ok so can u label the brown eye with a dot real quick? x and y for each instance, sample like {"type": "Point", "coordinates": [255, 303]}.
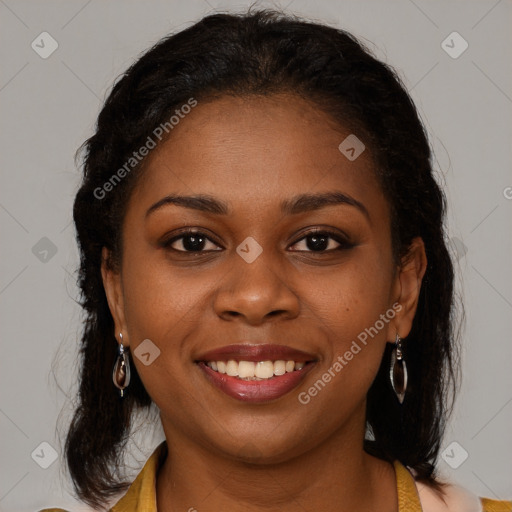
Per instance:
{"type": "Point", "coordinates": [323, 241]}
{"type": "Point", "coordinates": [190, 241]}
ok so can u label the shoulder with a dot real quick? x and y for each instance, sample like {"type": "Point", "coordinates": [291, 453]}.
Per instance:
{"type": "Point", "coordinates": [457, 499]}
{"type": "Point", "coordinates": [141, 494]}
{"type": "Point", "coordinates": [489, 505]}
{"type": "Point", "coordinates": [53, 510]}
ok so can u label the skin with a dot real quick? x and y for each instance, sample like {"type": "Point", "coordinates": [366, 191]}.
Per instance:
{"type": "Point", "coordinates": [253, 153]}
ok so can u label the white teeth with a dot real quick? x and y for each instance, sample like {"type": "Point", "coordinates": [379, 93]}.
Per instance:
{"type": "Point", "coordinates": [249, 370]}
{"type": "Point", "coordinates": [232, 368]}
{"type": "Point", "coordinates": [245, 369]}
{"type": "Point", "coordinates": [279, 367]}
{"type": "Point", "coordinates": [264, 369]}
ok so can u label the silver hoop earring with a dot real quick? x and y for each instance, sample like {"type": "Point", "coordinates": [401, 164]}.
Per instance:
{"type": "Point", "coordinates": [121, 370]}
{"type": "Point", "coordinates": [398, 370]}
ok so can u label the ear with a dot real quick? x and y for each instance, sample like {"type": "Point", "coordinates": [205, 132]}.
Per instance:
{"type": "Point", "coordinates": [407, 288]}
{"type": "Point", "coordinates": [114, 292]}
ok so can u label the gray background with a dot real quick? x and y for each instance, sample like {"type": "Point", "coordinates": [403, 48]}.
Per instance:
{"type": "Point", "coordinates": [48, 109]}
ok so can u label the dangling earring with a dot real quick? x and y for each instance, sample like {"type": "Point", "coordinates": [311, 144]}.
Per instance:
{"type": "Point", "coordinates": [121, 370]}
{"type": "Point", "coordinates": [398, 370]}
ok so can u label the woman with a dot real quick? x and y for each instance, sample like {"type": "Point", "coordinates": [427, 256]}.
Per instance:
{"type": "Point", "coordinates": [263, 258]}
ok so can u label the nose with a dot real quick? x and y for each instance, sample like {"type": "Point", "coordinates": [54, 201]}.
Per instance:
{"type": "Point", "coordinates": [255, 292]}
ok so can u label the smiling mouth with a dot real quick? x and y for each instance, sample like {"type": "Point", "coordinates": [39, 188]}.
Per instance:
{"type": "Point", "coordinates": [261, 370]}
{"type": "Point", "coordinates": [255, 381]}
{"type": "Point", "coordinates": [256, 373]}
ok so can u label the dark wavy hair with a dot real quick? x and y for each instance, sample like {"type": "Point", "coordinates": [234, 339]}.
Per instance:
{"type": "Point", "coordinates": [265, 52]}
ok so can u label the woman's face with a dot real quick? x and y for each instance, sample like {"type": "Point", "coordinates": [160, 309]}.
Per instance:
{"type": "Point", "coordinates": [256, 275]}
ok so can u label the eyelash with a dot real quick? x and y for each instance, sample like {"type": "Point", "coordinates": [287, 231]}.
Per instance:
{"type": "Point", "coordinates": [343, 243]}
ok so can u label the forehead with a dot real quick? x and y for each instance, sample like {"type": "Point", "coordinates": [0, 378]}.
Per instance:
{"type": "Point", "coordinates": [256, 151]}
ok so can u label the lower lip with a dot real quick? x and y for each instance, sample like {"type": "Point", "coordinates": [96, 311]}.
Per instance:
{"type": "Point", "coordinates": [256, 390]}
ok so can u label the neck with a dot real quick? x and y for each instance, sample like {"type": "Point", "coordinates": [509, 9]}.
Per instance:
{"type": "Point", "coordinates": [334, 476]}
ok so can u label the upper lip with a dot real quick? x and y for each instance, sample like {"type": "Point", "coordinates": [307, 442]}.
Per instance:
{"type": "Point", "coordinates": [255, 353]}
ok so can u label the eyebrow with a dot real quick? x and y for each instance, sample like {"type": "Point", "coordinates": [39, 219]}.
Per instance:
{"type": "Point", "coordinates": [295, 205]}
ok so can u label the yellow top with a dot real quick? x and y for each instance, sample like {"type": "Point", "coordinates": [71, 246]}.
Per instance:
{"type": "Point", "coordinates": [141, 495]}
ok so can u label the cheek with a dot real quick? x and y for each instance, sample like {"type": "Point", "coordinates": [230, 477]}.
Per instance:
{"type": "Point", "coordinates": [351, 297]}
{"type": "Point", "coordinates": [161, 303]}
{"type": "Point", "coordinates": [165, 308]}
{"type": "Point", "coordinates": [354, 319]}
{"type": "Point", "coordinates": [353, 310]}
